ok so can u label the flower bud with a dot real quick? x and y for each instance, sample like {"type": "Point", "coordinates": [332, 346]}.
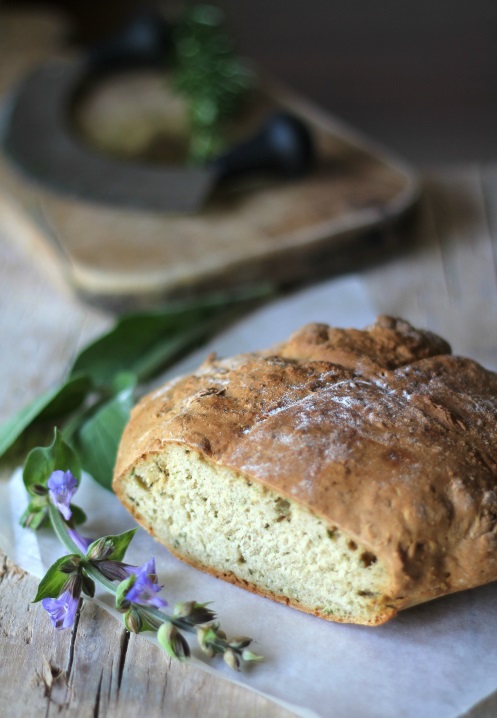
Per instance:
{"type": "Point", "coordinates": [202, 635]}
{"type": "Point", "coordinates": [184, 609]}
{"type": "Point", "coordinates": [240, 642]}
{"type": "Point", "coordinates": [71, 564]}
{"type": "Point", "coordinates": [207, 636]}
{"type": "Point", "coordinates": [231, 659]}
{"type": "Point", "coordinates": [194, 613]}
{"type": "Point", "coordinates": [172, 641]}
{"type": "Point", "coordinates": [122, 603]}
{"type": "Point", "coordinates": [133, 621]}
{"type": "Point", "coordinates": [39, 490]}
{"type": "Point", "coordinates": [100, 549]}
{"type": "Point", "coordinates": [114, 570]}
{"type": "Point", "coordinates": [250, 657]}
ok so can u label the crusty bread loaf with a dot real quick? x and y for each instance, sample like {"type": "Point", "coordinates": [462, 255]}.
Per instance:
{"type": "Point", "coordinates": [347, 473]}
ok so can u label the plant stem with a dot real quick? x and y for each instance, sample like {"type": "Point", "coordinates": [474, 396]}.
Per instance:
{"type": "Point", "coordinates": [154, 617]}
{"type": "Point", "coordinates": [154, 614]}
{"type": "Point", "coordinates": [60, 528]}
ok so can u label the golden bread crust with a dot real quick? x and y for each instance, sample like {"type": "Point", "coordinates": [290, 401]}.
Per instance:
{"type": "Point", "coordinates": [382, 432]}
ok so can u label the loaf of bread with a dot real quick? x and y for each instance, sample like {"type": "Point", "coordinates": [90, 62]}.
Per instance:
{"type": "Point", "coordinates": [346, 473]}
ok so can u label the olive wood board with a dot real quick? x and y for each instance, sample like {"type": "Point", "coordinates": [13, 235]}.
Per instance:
{"type": "Point", "coordinates": [251, 230]}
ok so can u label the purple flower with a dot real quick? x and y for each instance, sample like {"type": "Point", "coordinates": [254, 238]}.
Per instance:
{"type": "Point", "coordinates": [62, 610]}
{"type": "Point", "coordinates": [62, 487]}
{"type": "Point", "coordinates": [145, 586]}
{"type": "Point", "coordinates": [81, 542]}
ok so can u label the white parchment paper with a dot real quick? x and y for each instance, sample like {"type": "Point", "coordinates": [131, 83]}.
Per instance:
{"type": "Point", "coordinates": [435, 661]}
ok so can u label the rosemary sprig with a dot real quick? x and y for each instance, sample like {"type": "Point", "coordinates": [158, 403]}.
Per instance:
{"type": "Point", "coordinates": [214, 81]}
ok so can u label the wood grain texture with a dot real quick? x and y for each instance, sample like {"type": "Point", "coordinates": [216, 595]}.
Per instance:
{"type": "Point", "coordinates": [97, 669]}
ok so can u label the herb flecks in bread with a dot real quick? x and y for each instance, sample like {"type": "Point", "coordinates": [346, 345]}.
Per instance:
{"type": "Point", "coordinates": [347, 473]}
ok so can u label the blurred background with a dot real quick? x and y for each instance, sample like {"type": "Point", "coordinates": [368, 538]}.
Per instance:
{"type": "Point", "coordinates": [419, 77]}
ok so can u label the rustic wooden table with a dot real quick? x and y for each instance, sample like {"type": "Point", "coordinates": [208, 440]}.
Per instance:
{"type": "Point", "coordinates": [445, 278]}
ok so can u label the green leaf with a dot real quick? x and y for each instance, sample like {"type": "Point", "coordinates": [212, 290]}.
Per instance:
{"type": "Point", "coordinates": [120, 543]}
{"type": "Point", "coordinates": [53, 582]}
{"type": "Point", "coordinates": [34, 515]}
{"type": "Point", "coordinates": [143, 342]}
{"type": "Point", "coordinates": [126, 345]}
{"type": "Point", "coordinates": [53, 404]}
{"type": "Point", "coordinates": [42, 461]}
{"type": "Point", "coordinates": [123, 380]}
{"type": "Point", "coordinates": [78, 516]}
{"type": "Point", "coordinates": [98, 439]}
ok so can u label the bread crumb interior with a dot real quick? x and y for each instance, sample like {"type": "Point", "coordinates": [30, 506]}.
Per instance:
{"type": "Point", "coordinates": [221, 520]}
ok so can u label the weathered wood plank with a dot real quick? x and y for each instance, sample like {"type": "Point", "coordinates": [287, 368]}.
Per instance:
{"type": "Point", "coordinates": [98, 670]}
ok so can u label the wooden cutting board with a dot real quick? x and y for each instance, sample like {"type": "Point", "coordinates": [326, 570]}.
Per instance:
{"type": "Point", "coordinates": [248, 231]}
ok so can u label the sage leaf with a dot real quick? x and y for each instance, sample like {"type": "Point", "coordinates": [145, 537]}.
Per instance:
{"type": "Point", "coordinates": [129, 343]}
{"type": "Point", "coordinates": [98, 439]}
{"type": "Point", "coordinates": [43, 461]}
{"type": "Point", "coordinates": [144, 342]}
{"type": "Point", "coordinates": [55, 403]}
{"type": "Point", "coordinates": [53, 582]}
{"type": "Point", "coordinates": [123, 380]}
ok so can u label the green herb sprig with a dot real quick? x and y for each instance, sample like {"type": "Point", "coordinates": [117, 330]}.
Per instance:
{"type": "Point", "coordinates": [51, 476]}
{"type": "Point", "coordinates": [214, 81]}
